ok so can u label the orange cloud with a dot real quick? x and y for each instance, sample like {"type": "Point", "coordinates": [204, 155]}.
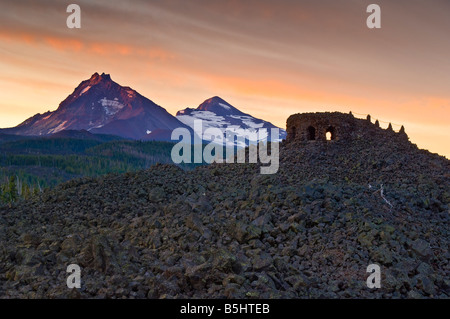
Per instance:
{"type": "Point", "coordinates": [64, 44]}
{"type": "Point", "coordinates": [272, 89]}
{"type": "Point", "coordinates": [61, 43]}
{"type": "Point", "coordinates": [106, 49]}
{"type": "Point", "coordinates": [24, 37]}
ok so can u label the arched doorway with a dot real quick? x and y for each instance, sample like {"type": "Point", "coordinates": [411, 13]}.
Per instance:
{"type": "Point", "coordinates": [311, 133]}
{"type": "Point", "coordinates": [330, 133]}
{"type": "Point", "coordinates": [292, 133]}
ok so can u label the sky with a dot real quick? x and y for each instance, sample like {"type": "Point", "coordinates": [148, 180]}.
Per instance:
{"type": "Point", "coordinates": [267, 58]}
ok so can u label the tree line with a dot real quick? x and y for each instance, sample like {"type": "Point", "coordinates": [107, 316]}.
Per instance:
{"type": "Point", "coordinates": [28, 167]}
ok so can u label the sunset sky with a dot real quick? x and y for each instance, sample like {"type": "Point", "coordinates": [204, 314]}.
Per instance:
{"type": "Point", "coordinates": [267, 58]}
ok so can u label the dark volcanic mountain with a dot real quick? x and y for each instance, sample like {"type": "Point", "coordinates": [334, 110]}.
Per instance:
{"type": "Point", "coordinates": [101, 106]}
{"type": "Point", "coordinates": [217, 113]}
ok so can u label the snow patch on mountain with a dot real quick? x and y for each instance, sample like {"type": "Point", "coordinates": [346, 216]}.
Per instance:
{"type": "Point", "coordinates": [111, 106]}
{"type": "Point", "coordinates": [94, 127]}
{"type": "Point", "coordinates": [246, 128]}
{"type": "Point", "coordinates": [59, 128]}
{"type": "Point", "coordinates": [209, 120]}
{"type": "Point", "coordinates": [248, 121]}
{"type": "Point", "coordinates": [226, 107]}
{"type": "Point", "coordinates": [85, 90]}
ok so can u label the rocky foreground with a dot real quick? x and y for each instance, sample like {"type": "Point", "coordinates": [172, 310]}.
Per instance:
{"type": "Point", "coordinates": [225, 231]}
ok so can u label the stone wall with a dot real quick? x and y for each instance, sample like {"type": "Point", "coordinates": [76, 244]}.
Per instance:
{"type": "Point", "coordinates": [338, 126]}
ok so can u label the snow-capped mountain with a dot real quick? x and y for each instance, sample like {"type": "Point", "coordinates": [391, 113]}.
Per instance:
{"type": "Point", "coordinates": [101, 106]}
{"type": "Point", "coordinates": [217, 113]}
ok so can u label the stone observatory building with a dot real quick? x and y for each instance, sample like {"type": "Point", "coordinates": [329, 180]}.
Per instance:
{"type": "Point", "coordinates": [334, 126]}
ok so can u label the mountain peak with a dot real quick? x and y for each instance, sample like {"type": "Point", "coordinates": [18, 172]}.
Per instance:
{"type": "Point", "coordinates": [216, 99]}
{"type": "Point", "coordinates": [216, 112]}
{"type": "Point", "coordinates": [101, 106]}
{"type": "Point", "coordinates": [105, 76]}
{"type": "Point", "coordinates": [217, 105]}
{"type": "Point", "coordinates": [96, 78]}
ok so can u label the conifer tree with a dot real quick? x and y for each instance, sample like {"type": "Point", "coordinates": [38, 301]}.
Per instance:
{"type": "Point", "coordinates": [12, 189]}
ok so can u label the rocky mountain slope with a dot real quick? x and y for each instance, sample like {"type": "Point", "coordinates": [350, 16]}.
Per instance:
{"type": "Point", "coordinates": [100, 105]}
{"type": "Point", "coordinates": [224, 230]}
{"type": "Point", "coordinates": [217, 113]}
